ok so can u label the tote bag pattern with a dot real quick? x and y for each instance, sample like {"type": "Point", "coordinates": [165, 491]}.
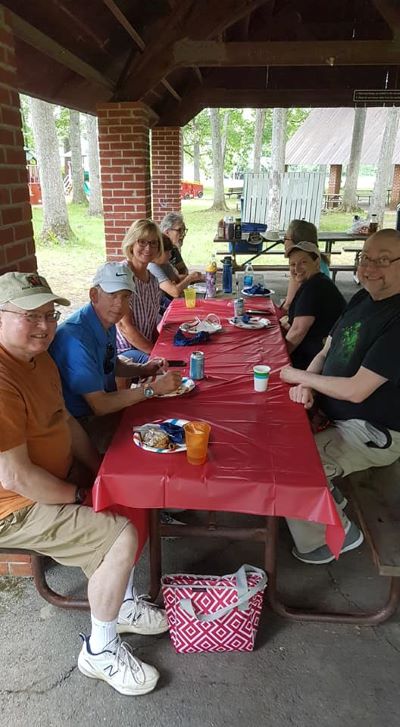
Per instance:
{"type": "Point", "coordinates": [214, 613]}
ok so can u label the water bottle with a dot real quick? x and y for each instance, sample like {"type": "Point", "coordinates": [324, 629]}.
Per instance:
{"type": "Point", "coordinates": [211, 278]}
{"type": "Point", "coordinates": [227, 275]}
{"type": "Point", "coordinates": [248, 276]}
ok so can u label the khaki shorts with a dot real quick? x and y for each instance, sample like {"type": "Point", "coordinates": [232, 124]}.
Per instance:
{"type": "Point", "coordinates": [73, 535]}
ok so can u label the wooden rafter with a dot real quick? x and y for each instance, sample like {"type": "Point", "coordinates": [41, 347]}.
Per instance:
{"type": "Point", "coordinates": [390, 11]}
{"type": "Point", "coordinates": [190, 19]}
{"type": "Point", "coordinates": [296, 53]}
{"type": "Point", "coordinates": [41, 42]}
{"type": "Point", "coordinates": [123, 20]}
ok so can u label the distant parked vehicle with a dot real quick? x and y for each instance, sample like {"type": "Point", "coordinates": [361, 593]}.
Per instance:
{"type": "Point", "coordinates": [189, 190]}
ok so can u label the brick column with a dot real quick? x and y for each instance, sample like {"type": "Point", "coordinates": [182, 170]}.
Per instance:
{"type": "Point", "coordinates": [124, 168]}
{"type": "Point", "coordinates": [17, 249]}
{"type": "Point", "coordinates": [166, 147]}
{"type": "Point", "coordinates": [395, 194]}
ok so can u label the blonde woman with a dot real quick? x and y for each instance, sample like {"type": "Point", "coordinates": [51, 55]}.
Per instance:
{"type": "Point", "coordinates": [137, 330]}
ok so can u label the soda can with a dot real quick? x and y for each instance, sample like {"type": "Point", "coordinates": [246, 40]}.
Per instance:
{"type": "Point", "coordinates": [238, 306]}
{"type": "Point", "coordinates": [196, 370]}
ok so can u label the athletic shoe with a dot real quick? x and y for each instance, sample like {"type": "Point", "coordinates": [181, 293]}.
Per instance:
{"type": "Point", "coordinates": [319, 556]}
{"type": "Point", "coordinates": [338, 496]}
{"type": "Point", "coordinates": [117, 666]}
{"type": "Point", "coordinates": [167, 519]}
{"type": "Point", "coordinates": [137, 616]}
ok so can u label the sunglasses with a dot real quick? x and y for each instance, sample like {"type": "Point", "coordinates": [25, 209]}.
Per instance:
{"type": "Point", "coordinates": [108, 363]}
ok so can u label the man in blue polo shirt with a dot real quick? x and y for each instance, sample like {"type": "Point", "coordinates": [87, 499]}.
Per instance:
{"type": "Point", "coordinates": [84, 350]}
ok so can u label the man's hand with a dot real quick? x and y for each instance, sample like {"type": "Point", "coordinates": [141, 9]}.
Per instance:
{"type": "Point", "coordinates": [167, 382]}
{"type": "Point", "coordinates": [302, 395]}
{"type": "Point", "coordinates": [291, 375]}
{"type": "Point", "coordinates": [284, 323]}
{"type": "Point", "coordinates": [153, 367]}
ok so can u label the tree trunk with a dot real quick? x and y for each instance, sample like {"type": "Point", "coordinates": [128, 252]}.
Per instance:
{"type": "Point", "coordinates": [55, 215]}
{"type": "Point", "coordinates": [378, 200]}
{"type": "Point", "coordinates": [95, 202]}
{"type": "Point", "coordinates": [196, 153]}
{"type": "Point", "coordinates": [258, 136]}
{"type": "Point", "coordinates": [349, 203]}
{"type": "Point", "coordinates": [278, 147]}
{"type": "Point", "coordinates": [78, 194]}
{"type": "Point", "coordinates": [224, 138]}
{"type": "Point", "coordinates": [218, 164]}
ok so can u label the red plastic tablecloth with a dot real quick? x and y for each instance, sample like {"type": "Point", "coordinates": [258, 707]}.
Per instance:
{"type": "Point", "coordinates": [262, 458]}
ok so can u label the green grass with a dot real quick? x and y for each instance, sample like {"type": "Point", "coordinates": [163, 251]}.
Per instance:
{"type": "Point", "coordinates": [70, 267]}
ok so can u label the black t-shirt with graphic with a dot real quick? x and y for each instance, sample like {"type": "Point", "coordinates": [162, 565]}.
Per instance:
{"type": "Point", "coordinates": [368, 334]}
{"type": "Point", "coordinates": [318, 297]}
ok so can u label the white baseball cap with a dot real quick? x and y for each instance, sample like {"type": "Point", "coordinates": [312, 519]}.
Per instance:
{"type": "Point", "coordinates": [306, 247]}
{"type": "Point", "coordinates": [113, 277]}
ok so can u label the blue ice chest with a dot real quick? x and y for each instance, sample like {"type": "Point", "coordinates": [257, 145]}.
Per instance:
{"type": "Point", "coordinates": [253, 227]}
{"type": "Point", "coordinates": [244, 245]}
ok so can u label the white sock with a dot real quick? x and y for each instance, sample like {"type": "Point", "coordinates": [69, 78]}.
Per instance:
{"type": "Point", "coordinates": [130, 592]}
{"type": "Point", "coordinates": [102, 633]}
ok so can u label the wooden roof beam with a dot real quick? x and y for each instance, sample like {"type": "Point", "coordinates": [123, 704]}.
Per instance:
{"type": "Point", "coordinates": [123, 20]}
{"type": "Point", "coordinates": [390, 12]}
{"type": "Point", "coordinates": [50, 48]}
{"type": "Point", "coordinates": [276, 53]}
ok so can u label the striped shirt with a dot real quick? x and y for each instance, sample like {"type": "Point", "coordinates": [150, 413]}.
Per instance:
{"type": "Point", "coordinates": [144, 307]}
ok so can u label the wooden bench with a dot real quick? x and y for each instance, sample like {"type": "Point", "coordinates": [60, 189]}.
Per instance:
{"type": "Point", "coordinates": [234, 192]}
{"type": "Point", "coordinates": [378, 511]}
{"type": "Point", "coordinates": [335, 269]}
{"type": "Point", "coordinates": [39, 577]}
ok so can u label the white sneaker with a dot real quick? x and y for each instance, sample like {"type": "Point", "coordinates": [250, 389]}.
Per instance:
{"type": "Point", "coordinates": [117, 666]}
{"type": "Point", "coordinates": [137, 616]}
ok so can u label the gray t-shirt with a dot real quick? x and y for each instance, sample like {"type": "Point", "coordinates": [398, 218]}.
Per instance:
{"type": "Point", "coordinates": [163, 272]}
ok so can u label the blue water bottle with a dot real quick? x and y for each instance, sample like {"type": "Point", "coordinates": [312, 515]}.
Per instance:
{"type": "Point", "coordinates": [227, 274]}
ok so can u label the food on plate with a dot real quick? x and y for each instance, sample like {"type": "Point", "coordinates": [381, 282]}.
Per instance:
{"type": "Point", "coordinates": [155, 437]}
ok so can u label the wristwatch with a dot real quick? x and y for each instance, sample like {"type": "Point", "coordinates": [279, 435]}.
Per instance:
{"type": "Point", "coordinates": [148, 392]}
{"type": "Point", "coordinates": [80, 495]}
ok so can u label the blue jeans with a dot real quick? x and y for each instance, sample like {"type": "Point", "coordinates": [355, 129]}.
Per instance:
{"type": "Point", "coordinates": [136, 355]}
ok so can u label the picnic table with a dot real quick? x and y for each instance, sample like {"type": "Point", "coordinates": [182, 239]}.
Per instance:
{"type": "Point", "coordinates": [262, 456]}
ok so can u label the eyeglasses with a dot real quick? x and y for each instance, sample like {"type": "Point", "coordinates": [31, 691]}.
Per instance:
{"type": "Point", "coordinates": [108, 363]}
{"type": "Point", "coordinates": [364, 260]}
{"type": "Point", "coordinates": [35, 318]}
{"type": "Point", "coordinates": [182, 230]}
{"type": "Point", "coordinates": [153, 244]}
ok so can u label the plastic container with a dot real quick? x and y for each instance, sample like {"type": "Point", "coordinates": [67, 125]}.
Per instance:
{"type": "Point", "coordinates": [248, 276]}
{"type": "Point", "coordinates": [227, 275]}
{"type": "Point", "coordinates": [373, 224]}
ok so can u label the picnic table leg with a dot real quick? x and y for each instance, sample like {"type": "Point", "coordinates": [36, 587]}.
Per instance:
{"type": "Point", "coordinates": [360, 618]}
{"type": "Point", "coordinates": [155, 554]}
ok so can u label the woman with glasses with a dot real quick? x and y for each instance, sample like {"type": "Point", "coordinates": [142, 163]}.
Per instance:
{"type": "Point", "coordinates": [174, 227]}
{"type": "Point", "coordinates": [137, 330]}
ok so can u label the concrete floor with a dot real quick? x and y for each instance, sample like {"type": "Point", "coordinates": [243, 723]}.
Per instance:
{"type": "Point", "coordinates": [300, 674]}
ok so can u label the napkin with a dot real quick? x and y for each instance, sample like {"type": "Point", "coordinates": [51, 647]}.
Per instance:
{"type": "Point", "coordinates": [181, 340]}
{"type": "Point", "coordinates": [175, 433]}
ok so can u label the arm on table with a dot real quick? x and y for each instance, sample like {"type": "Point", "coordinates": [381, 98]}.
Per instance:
{"type": "Point", "coordinates": [131, 333]}
{"type": "Point", "coordinates": [176, 289]}
{"type": "Point", "coordinates": [108, 402]}
{"type": "Point", "coordinates": [298, 331]}
{"type": "Point", "coordinates": [20, 475]}
{"type": "Point", "coordinates": [302, 394]}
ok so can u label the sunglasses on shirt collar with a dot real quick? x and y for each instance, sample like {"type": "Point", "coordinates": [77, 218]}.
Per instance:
{"type": "Point", "coordinates": [108, 363]}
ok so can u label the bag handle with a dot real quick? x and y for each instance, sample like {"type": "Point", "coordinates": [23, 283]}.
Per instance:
{"type": "Point", "coordinates": [244, 594]}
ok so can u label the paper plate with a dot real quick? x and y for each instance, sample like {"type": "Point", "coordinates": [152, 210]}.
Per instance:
{"type": "Point", "coordinates": [210, 324]}
{"type": "Point", "coordinates": [186, 386]}
{"type": "Point", "coordinates": [257, 295]}
{"type": "Point", "coordinates": [179, 447]}
{"type": "Point", "coordinates": [253, 324]}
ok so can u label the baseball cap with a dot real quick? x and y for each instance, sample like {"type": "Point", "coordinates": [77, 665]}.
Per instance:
{"type": "Point", "coordinates": [306, 247]}
{"type": "Point", "coordinates": [27, 291]}
{"type": "Point", "coordinates": [113, 277]}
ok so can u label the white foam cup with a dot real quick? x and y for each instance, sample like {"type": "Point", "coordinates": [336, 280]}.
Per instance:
{"type": "Point", "coordinates": [261, 376]}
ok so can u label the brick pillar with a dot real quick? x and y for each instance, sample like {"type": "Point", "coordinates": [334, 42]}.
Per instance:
{"type": "Point", "coordinates": [124, 168]}
{"type": "Point", "coordinates": [17, 249]}
{"type": "Point", "coordinates": [335, 176]}
{"type": "Point", "coordinates": [166, 147]}
{"type": "Point", "coordinates": [395, 193]}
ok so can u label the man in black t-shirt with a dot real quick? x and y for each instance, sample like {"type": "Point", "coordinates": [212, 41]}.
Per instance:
{"type": "Point", "coordinates": [355, 382]}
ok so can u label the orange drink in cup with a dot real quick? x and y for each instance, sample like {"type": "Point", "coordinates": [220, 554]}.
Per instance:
{"type": "Point", "coordinates": [196, 438]}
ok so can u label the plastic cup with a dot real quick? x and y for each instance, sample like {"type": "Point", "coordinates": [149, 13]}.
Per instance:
{"type": "Point", "coordinates": [261, 377]}
{"type": "Point", "coordinates": [190, 297]}
{"type": "Point", "coordinates": [196, 438]}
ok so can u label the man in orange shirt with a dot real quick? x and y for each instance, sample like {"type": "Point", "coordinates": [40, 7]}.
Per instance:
{"type": "Point", "coordinates": [43, 452]}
